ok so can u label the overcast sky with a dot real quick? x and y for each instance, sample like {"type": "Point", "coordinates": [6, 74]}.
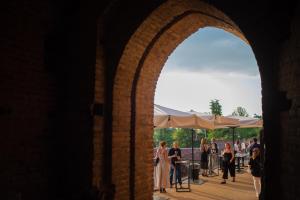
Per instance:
{"type": "Point", "coordinates": [210, 64]}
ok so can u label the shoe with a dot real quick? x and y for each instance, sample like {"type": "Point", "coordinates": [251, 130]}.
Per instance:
{"type": "Point", "coordinates": [160, 190]}
{"type": "Point", "coordinates": [180, 186]}
{"type": "Point", "coordinates": [223, 182]}
{"type": "Point", "coordinates": [233, 180]}
{"type": "Point", "coordinates": [164, 190]}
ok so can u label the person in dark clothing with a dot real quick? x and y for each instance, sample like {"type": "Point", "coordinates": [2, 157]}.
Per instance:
{"type": "Point", "coordinates": [255, 167]}
{"type": "Point", "coordinates": [175, 155]}
{"type": "Point", "coordinates": [228, 163]}
{"type": "Point", "coordinates": [254, 145]}
{"type": "Point", "coordinates": [204, 150]}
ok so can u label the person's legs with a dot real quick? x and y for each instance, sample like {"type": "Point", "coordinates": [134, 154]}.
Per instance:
{"type": "Point", "coordinates": [171, 175]}
{"type": "Point", "coordinates": [239, 163]}
{"type": "Point", "coordinates": [257, 185]}
{"type": "Point", "coordinates": [160, 176]}
{"type": "Point", "coordinates": [225, 172]}
{"type": "Point", "coordinates": [232, 170]}
{"type": "Point", "coordinates": [210, 164]}
{"type": "Point", "coordinates": [243, 161]}
{"type": "Point", "coordinates": [178, 174]}
{"type": "Point", "coordinates": [221, 164]}
{"type": "Point", "coordinates": [206, 168]}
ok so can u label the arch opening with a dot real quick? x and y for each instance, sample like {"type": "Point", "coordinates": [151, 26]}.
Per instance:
{"type": "Point", "coordinates": [210, 64]}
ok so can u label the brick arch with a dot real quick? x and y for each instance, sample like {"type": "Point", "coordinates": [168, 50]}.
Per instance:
{"type": "Point", "coordinates": [134, 87]}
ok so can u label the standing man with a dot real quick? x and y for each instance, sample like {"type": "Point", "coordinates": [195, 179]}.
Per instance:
{"type": "Point", "coordinates": [175, 155]}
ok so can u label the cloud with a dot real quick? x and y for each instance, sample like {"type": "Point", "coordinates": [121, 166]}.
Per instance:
{"type": "Point", "coordinates": [226, 42]}
{"type": "Point", "coordinates": [211, 50]}
{"type": "Point", "coordinates": [185, 91]}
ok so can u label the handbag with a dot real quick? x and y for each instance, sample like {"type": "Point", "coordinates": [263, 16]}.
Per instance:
{"type": "Point", "coordinates": [156, 161]}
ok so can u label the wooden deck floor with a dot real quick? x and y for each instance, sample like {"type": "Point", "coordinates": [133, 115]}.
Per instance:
{"type": "Point", "coordinates": [211, 189]}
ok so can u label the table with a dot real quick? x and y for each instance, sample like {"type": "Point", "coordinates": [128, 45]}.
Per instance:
{"type": "Point", "coordinates": [240, 156]}
{"type": "Point", "coordinates": [184, 164]}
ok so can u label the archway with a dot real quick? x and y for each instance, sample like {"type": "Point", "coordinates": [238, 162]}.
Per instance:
{"type": "Point", "coordinates": [135, 82]}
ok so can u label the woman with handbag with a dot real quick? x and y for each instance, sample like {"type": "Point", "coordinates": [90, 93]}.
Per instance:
{"type": "Point", "coordinates": [162, 167]}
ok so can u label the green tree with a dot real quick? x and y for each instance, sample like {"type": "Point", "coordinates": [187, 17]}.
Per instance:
{"type": "Point", "coordinates": [183, 137]}
{"type": "Point", "coordinates": [164, 134]}
{"type": "Point", "coordinates": [257, 116]}
{"type": "Point", "coordinates": [247, 132]}
{"type": "Point", "coordinates": [220, 134]}
{"type": "Point", "coordinates": [241, 133]}
{"type": "Point", "coordinates": [240, 111]}
{"type": "Point", "coordinates": [215, 107]}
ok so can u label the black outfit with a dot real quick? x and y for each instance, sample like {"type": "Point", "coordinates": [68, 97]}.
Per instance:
{"type": "Point", "coordinates": [175, 151]}
{"type": "Point", "coordinates": [255, 145]}
{"type": "Point", "coordinates": [204, 159]}
{"type": "Point", "coordinates": [227, 165]}
{"type": "Point", "coordinates": [255, 166]}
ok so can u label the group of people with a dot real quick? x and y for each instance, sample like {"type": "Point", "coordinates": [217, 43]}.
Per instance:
{"type": "Point", "coordinates": [254, 165]}
{"type": "Point", "coordinates": [166, 166]}
{"type": "Point", "coordinates": [207, 150]}
{"type": "Point", "coordinates": [166, 163]}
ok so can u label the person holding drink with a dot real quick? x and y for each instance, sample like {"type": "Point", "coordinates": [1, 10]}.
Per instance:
{"type": "Point", "coordinates": [175, 155]}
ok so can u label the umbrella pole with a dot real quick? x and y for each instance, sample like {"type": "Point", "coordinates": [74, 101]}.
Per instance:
{"type": "Point", "coordinates": [193, 153]}
{"type": "Point", "coordinates": [233, 136]}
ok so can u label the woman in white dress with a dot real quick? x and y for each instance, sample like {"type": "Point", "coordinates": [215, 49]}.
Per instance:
{"type": "Point", "coordinates": [162, 168]}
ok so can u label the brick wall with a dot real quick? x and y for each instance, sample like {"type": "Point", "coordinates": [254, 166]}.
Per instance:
{"type": "Point", "coordinates": [47, 91]}
{"type": "Point", "coordinates": [27, 98]}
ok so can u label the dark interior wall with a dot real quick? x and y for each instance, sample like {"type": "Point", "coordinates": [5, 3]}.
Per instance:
{"type": "Point", "coordinates": [289, 119]}
{"type": "Point", "coordinates": [121, 19]}
{"type": "Point", "coordinates": [27, 98]}
{"type": "Point", "coordinates": [47, 89]}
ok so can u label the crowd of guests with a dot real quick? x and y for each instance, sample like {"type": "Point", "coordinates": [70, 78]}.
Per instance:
{"type": "Point", "coordinates": [166, 165]}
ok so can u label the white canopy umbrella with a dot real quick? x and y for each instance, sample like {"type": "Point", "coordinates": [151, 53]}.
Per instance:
{"type": "Point", "coordinates": [231, 121]}
{"type": "Point", "coordinates": [166, 117]}
{"type": "Point", "coordinates": [248, 122]}
{"type": "Point", "coordinates": [243, 122]}
{"type": "Point", "coordinates": [216, 120]}
{"type": "Point", "coordinates": [161, 117]}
